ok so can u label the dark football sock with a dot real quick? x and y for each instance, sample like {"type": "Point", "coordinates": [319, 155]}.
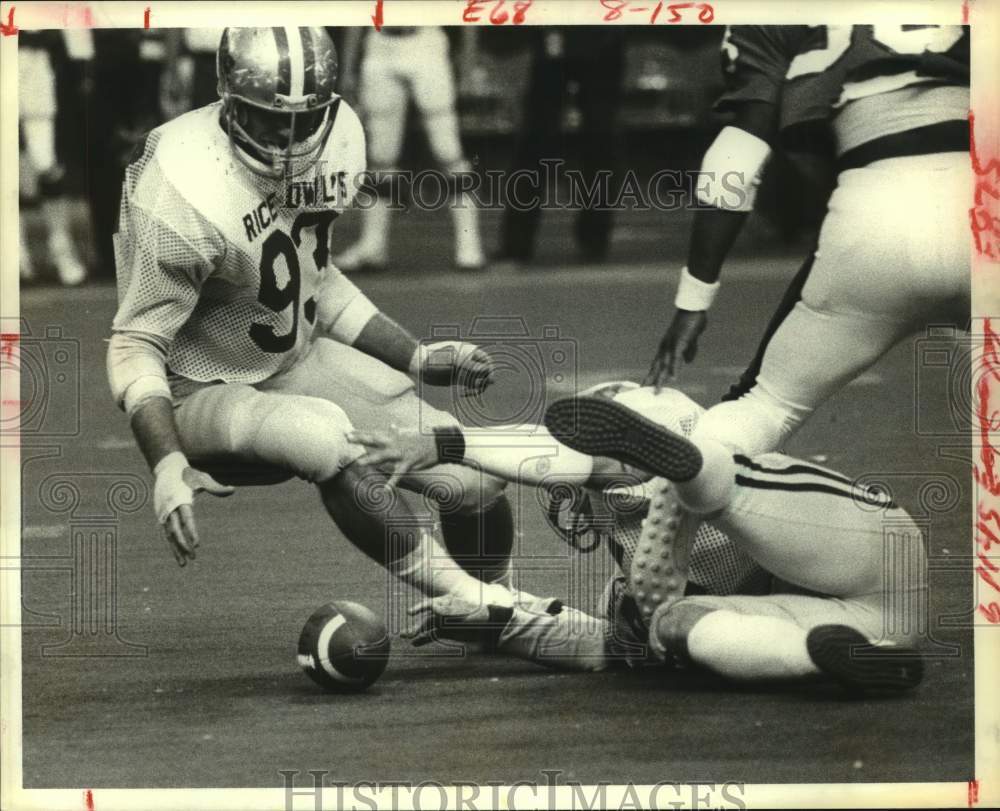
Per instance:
{"type": "Point", "coordinates": [481, 542]}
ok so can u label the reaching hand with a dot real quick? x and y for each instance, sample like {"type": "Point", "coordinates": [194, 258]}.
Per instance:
{"type": "Point", "coordinates": [407, 449]}
{"type": "Point", "coordinates": [679, 341]}
{"type": "Point", "coordinates": [451, 363]}
{"type": "Point", "coordinates": [173, 494]}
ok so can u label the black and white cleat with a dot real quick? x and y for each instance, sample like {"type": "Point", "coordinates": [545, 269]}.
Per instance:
{"type": "Point", "coordinates": [601, 427]}
{"type": "Point", "coordinates": [844, 655]}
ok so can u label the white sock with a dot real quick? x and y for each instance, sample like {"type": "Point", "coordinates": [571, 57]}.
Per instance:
{"type": "Point", "coordinates": [744, 647]}
{"type": "Point", "coordinates": [431, 569]}
{"type": "Point", "coordinates": [465, 220]}
{"type": "Point", "coordinates": [712, 489]}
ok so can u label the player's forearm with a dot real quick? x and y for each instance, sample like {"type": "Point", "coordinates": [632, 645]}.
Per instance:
{"type": "Point", "coordinates": [155, 430]}
{"type": "Point", "coordinates": [137, 374]}
{"type": "Point", "coordinates": [384, 339]}
{"type": "Point", "coordinates": [712, 237]}
{"type": "Point", "coordinates": [727, 188]}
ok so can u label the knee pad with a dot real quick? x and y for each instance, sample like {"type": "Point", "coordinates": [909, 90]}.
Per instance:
{"type": "Point", "coordinates": [752, 425]}
{"type": "Point", "coordinates": [307, 435]}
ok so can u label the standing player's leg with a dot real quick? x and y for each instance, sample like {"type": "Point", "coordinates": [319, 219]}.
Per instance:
{"type": "Point", "coordinates": [890, 259]}
{"type": "Point", "coordinates": [809, 526]}
{"type": "Point", "coordinates": [434, 96]}
{"type": "Point", "coordinates": [307, 436]}
{"type": "Point", "coordinates": [383, 100]}
{"type": "Point", "coordinates": [37, 112]}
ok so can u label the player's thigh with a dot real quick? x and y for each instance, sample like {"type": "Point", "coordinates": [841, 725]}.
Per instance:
{"type": "Point", "coordinates": [816, 352]}
{"type": "Point", "coordinates": [384, 97]}
{"type": "Point", "coordinates": [895, 241]}
{"type": "Point", "coordinates": [373, 395]}
{"type": "Point", "coordinates": [430, 73]}
{"type": "Point", "coordinates": [304, 435]}
{"type": "Point", "coordinates": [817, 529]}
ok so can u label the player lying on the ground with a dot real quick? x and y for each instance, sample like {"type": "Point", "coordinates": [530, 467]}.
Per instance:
{"type": "Point", "coordinates": [848, 565]}
{"type": "Point", "coordinates": [239, 347]}
{"type": "Point", "coordinates": [893, 251]}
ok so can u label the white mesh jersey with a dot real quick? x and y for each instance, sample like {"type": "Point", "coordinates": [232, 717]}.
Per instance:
{"type": "Point", "coordinates": [717, 563]}
{"type": "Point", "coordinates": [226, 265]}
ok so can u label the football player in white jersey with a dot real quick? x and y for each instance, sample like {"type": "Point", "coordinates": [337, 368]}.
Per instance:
{"type": "Point", "coordinates": [894, 248]}
{"type": "Point", "coordinates": [239, 348]}
{"type": "Point", "coordinates": [398, 65]}
{"type": "Point", "coordinates": [714, 519]}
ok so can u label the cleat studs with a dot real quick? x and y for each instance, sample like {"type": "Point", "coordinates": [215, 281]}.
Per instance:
{"type": "Point", "coordinates": [655, 567]}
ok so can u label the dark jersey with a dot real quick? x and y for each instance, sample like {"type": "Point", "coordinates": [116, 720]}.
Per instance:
{"type": "Point", "coordinates": [807, 72]}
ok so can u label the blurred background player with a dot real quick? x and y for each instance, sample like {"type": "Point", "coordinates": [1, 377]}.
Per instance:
{"type": "Point", "coordinates": [389, 69]}
{"type": "Point", "coordinates": [594, 59]}
{"type": "Point", "coordinates": [893, 252]}
{"type": "Point", "coordinates": [42, 176]}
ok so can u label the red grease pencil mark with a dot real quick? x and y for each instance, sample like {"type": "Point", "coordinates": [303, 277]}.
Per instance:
{"type": "Point", "coordinates": [615, 11]}
{"type": "Point", "coordinates": [88, 800]}
{"type": "Point", "coordinates": [145, 18]}
{"type": "Point", "coordinates": [965, 12]}
{"type": "Point", "coordinates": [498, 14]}
{"type": "Point", "coordinates": [988, 519]}
{"type": "Point", "coordinates": [8, 29]}
{"type": "Point", "coordinates": [378, 17]}
{"type": "Point", "coordinates": [973, 792]}
{"type": "Point", "coordinates": [986, 200]}
{"type": "Point", "coordinates": [7, 342]}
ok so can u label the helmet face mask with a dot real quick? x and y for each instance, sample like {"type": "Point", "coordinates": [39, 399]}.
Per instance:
{"type": "Point", "coordinates": [277, 143]}
{"type": "Point", "coordinates": [277, 89]}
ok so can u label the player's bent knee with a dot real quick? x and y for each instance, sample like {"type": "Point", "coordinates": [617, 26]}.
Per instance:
{"type": "Point", "coordinates": [749, 425]}
{"type": "Point", "coordinates": [307, 435]}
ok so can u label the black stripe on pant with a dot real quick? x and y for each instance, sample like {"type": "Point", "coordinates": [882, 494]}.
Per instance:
{"type": "Point", "coordinates": [792, 296]}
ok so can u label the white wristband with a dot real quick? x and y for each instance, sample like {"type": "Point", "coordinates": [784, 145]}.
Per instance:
{"type": "Point", "coordinates": [171, 464]}
{"type": "Point", "coordinates": [694, 294]}
{"type": "Point", "coordinates": [169, 489]}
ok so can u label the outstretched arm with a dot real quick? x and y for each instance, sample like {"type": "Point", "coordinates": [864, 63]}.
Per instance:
{"type": "Point", "coordinates": [730, 173]}
{"type": "Point", "coordinates": [137, 373]}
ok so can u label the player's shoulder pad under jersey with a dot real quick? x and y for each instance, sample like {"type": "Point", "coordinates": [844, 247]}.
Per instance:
{"type": "Point", "coordinates": [755, 59]}
{"type": "Point", "coordinates": [184, 162]}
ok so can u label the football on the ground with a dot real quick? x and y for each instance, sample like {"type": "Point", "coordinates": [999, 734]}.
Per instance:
{"type": "Point", "coordinates": [343, 647]}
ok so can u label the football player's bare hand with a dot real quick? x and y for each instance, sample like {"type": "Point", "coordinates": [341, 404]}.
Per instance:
{"type": "Point", "coordinates": [679, 342]}
{"type": "Point", "coordinates": [182, 534]}
{"type": "Point", "coordinates": [404, 449]}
